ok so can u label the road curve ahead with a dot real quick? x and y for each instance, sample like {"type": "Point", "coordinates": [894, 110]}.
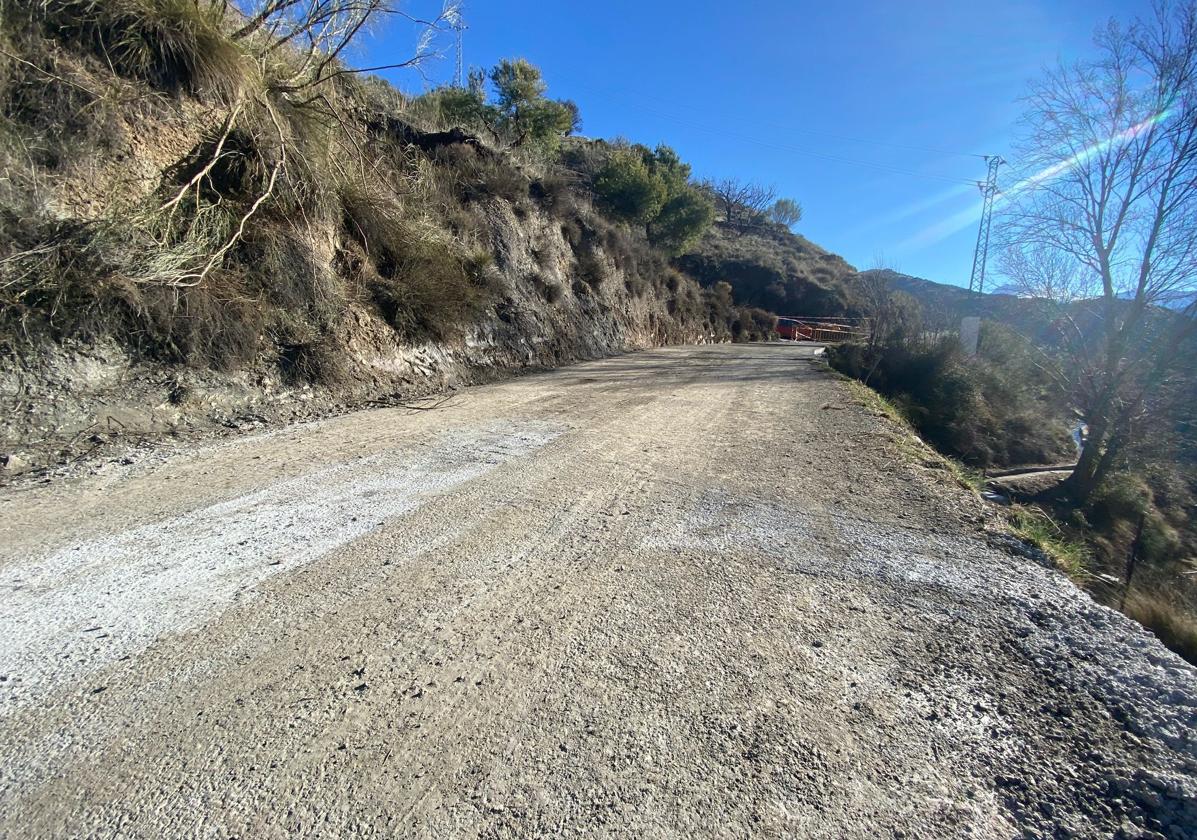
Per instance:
{"type": "Point", "coordinates": [689, 592]}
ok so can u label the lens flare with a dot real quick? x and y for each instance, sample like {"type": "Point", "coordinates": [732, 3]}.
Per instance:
{"type": "Point", "coordinates": [959, 221]}
{"type": "Point", "coordinates": [951, 194]}
{"type": "Point", "coordinates": [1085, 154]}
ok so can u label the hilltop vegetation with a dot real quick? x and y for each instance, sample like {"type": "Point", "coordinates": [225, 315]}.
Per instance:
{"type": "Point", "coordinates": [773, 269]}
{"type": "Point", "coordinates": [188, 190]}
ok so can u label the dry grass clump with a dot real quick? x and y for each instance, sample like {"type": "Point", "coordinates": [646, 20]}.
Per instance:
{"type": "Point", "coordinates": [1172, 623]}
{"type": "Point", "coordinates": [175, 45]}
{"type": "Point", "coordinates": [79, 280]}
{"type": "Point", "coordinates": [409, 267]}
{"type": "Point", "coordinates": [1033, 526]}
{"type": "Point", "coordinates": [687, 302]}
{"type": "Point", "coordinates": [635, 285]}
{"type": "Point", "coordinates": [53, 276]}
{"type": "Point", "coordinates": [592, 270]}
{"type": "Point", "coordinates": [556, 192]}
{"type": "Point", "coordinates": [477, 175]}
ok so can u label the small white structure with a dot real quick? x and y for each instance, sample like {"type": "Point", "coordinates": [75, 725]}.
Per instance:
{"type": "Point", "coordinates": [970, 334]}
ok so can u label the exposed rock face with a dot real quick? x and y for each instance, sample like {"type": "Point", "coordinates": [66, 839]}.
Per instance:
{"type": "Point", "coordinates": [58, 396]}
{"type": "Point", "coordinates": [329, 297]}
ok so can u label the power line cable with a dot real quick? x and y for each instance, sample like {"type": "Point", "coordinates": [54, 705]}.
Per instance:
{"type": "Point", "coordinates": [810, 153]}
{"type": "Point", "coordinates": [821, 155]}
{"type": "Point", "coordinates": [812, 132]}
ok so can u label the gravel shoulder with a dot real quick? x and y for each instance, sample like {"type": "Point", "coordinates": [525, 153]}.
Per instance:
{"type": "Point", "coordinates": [685, 592]}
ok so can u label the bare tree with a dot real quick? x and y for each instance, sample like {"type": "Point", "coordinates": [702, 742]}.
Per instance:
{"type": "Point", "coordinates": [786, 211]}
{"type": "Point", "coordinates": [317, 32]}
{"type": "Point", "coordinates": [893, 318]}
{"type": "Point", "coordinates": [1106, 215]}
{"type": "Point", "coordinates": [742, 203]}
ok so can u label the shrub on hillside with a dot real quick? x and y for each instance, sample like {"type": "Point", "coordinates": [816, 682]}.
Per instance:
{"type": "Point", "coordinates": [786, 211]}
{"type": "Point", "coordinates": [754, 325]}
{"type": "Point", "coordinates": [476, 176]}
{"type": "Point", "coordinates": [984, 410]}
{"type": "Point", "coordinates": [518, 114]}
{"type": "Point", "coordinates": [682, 220]}
{"type": "Point", "coordinates": [458, 106]}
{"type": "Point", "coordinates": [524, 114]}
{"type": "Point", "coordinates": [627, 190]}
{"type": "Point", "coordinates": [652, 188]}
{"type": "Point", "coordinates": [419, 283]}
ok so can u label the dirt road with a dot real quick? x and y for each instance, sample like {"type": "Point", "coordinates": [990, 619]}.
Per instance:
{"type": "Point", "coordinates": [690, 592]}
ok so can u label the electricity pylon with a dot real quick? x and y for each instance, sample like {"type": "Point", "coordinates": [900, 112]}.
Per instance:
{"type": "Point", "coordinates": [459, 27]}
{"type": "Point", "coordinates": [989, 191]}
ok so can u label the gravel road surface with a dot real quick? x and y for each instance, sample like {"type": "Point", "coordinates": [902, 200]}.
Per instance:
{"type": "Point", "coordinates": [688, 592]}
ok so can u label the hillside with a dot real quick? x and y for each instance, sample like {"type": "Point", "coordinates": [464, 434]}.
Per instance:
{"type": "Point", "coordinates": [944, 305]}
{"type": "Point", "coordinates": [772, 268]}
{"type": "Point", "coordinates": [193, 239]}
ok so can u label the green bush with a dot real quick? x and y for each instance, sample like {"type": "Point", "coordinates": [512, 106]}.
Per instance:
{"type": "Point", "coordinates": [627, 190]}
{"type": "Point", "coordinates": [652, 188]}
{"type": "Point", "coordinates": [519, 114]}
{"type": "Point", "coordinates": [455, 106]}
{"type": "Point", "coordinates": [1115, 509]}
{"type": "Point", "coordinates": [984, 411]}
{"type": "Point", "coordinates": [752, 324]}
{"type": "Point", "coordinates": [1122, 498]}
{"type": "Point", "coordinates": [682, 220]}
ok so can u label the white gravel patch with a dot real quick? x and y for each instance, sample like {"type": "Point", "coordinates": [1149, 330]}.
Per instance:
{"type": "Point", "coordinates": [1108, 655]}
{"type": "Point", "coordinates": [74, 611]}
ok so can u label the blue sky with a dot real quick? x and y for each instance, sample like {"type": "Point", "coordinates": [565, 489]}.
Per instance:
{"type": "Point", "coordinates": [867, 113]}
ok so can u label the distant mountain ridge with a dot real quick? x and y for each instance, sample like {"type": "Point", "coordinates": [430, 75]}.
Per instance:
{"type": "Point", "coordinates": [943, 304]}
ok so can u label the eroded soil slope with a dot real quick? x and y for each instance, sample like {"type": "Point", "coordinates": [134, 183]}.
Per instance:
{"type": "Point", "coordinates": [684, 592]}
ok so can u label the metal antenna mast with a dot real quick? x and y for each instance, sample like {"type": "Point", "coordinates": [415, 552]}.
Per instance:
{"type": "Point", "coordinates": [989, 190]}
{"type": "Point", "coordinates": [459, 27]}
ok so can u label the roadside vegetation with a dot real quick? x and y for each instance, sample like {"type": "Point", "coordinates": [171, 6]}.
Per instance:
{"type": "Point", "coordinates": [1009, 406]}
{"type": "Point", "coordinates": [1002, 408]}
{"type": "Point", "coordinates": [992, 410]}
{"type": "Point", "coordinates": [1069, 554]}
{"type": "Point", "coordinates": [1100, 327]}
